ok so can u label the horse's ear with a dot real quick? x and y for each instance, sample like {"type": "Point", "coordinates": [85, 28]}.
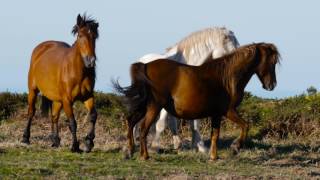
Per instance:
{"type": "Point", "coordinates": [79, 20]}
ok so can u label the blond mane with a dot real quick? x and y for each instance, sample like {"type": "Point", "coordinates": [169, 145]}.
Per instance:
{"type": "Point", "coordinates": [198, 45]}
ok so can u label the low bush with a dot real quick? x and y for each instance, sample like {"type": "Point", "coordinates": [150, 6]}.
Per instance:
{"type": "Point", "coordinates": [10, 103]}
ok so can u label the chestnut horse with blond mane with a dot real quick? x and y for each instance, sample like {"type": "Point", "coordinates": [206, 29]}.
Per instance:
{"type": "Point", "coordinates": [191, 50]}
{"type": "Point", "coordinates": [64, 74]}
{"type": "Point", "coordinates": [213, 89]}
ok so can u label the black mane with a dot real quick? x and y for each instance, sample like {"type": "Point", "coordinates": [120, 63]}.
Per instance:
{"type": "Point", "coordinates": [86, 21]}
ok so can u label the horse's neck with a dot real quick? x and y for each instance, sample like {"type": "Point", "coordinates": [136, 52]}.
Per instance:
{"type": "Point", "coordinates": [240, 74]}
{"type": "Point", "coordinates": [75, 62]}
{"type": "Point", "coordinates": [234, 74]}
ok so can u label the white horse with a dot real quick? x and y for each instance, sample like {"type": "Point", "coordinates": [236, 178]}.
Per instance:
{"type": "Point", "coordinates": [192, 50]}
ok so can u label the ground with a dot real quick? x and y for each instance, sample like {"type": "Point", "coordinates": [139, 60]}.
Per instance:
{"type": "Point", "coordinates": [290, 158]}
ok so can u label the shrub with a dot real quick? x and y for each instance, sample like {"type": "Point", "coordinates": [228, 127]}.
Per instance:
{"type": "Point", "coordinates": [11, 102]}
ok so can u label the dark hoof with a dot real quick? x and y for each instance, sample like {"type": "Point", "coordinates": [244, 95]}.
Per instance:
{"type": "Point", "coordinates": [157, 150]}
{"type": "Point", "coordinates": [55, 141]}
{"type": "Point", "coordinates": [128, 154]}
{"type": "Point", "coordinates": [88, 145]}
{"type": "Point", "coordinates": [75, 148]}
{"type": "Point", "coordinates": [55, 144]}
{"type": "Point", "coordinates": [25, 141]}
{"type": "Point", "coordinates": [235, 147]}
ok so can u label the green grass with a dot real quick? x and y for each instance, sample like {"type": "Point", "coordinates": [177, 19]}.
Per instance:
{"type": "Point", "coordinates": [37, 162]}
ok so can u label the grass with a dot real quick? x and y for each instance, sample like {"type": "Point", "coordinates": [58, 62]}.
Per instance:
{"type": "Point", "coordinates": [39, 162]}
{"type": "Point", "coordinates": [266, 155]}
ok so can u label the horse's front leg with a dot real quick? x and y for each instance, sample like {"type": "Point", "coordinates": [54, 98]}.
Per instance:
{"type": "Point", "coordinates": [91, 117]}
{"type": "Point", "coordinates": [215, 131]}
{"type": "Point", "coordinates": [238, 143]}
{"type": "Point", "coordinates": [67, 106]}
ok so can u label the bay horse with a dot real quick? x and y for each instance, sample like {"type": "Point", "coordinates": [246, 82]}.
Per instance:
{"type": "Point", "coordinates": [213, 89]}
{"type": "Point", "coordinates": [64, 74]}
{"type": "Point", "coordinates": [191, 50]}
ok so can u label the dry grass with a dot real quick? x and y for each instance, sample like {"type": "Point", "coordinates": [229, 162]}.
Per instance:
{"type": "Point", "coordinates": [293, 157]}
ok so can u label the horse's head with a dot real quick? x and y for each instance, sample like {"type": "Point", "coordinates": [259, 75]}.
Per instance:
{"type": "Point", "coordinates": [268, 57]}
{"type": "Point", "coordinates": [228, 43]}
{"type": "Point", "coordinates": [87, 33]}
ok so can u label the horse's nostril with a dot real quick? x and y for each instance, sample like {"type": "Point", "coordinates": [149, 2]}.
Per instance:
{"type": "Point", "coordinates": [92, 59]}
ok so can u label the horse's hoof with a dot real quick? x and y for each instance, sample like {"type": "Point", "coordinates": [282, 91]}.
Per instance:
{"type": "Point", "coordinates": [144, 158]}
{"type": "Point", "coordinates": [55, 141]}
{"type": "Point", "coordinates": [202, 148]}
{"type": "Point", "coordinates": [26, 141]}
{"type": "Point", "coordinates": [55, 145]}
{"type": "Point", "coordinates": [128, 155]}
{"type": "Point", "coordinates": [235, 147]}
{"type": "Point", "coordinates": [88, 145]}
{"type": "Point", "coordinates": [213, 159]}
{"type": "Point", "coordinates": [177, 143]}
{"type": "Point", "coordinates": [75, 148]}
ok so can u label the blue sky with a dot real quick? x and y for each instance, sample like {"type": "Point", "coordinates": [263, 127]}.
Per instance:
{"type": "Point", "coordinates": [130, 29]}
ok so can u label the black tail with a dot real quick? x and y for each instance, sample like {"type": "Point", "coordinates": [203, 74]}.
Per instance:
{"type": "Point", "coordinates": [137, 95]}
{"type": "Point", "coordinates": [45, 106]}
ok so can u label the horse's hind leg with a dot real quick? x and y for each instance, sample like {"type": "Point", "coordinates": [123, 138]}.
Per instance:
{"type": "Point", "coordinates": [32, 96]}
{"type": "Point", "coordinates": [67, 106]}
{"type": "Point", "coordinates": [55, 114]}
{"type": "Point", "coordinates": [150, 117]}
{"type": "Point", "coordinates": [160, 126]}
{"type": "Point", "coordinates": [238, 143]}
{"type": "Point", "coordinates": [92, 117]}
{"type": "Point", "coordinates": [132, 121]}
{"type": "Point", "coordinates": [173, 126]}
{"type": "Point", "coordinates": [197, 141]}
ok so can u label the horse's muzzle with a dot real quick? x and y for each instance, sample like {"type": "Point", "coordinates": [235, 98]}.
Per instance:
{"type": "Point", "coordinates": [269, 86]}
{"type": "Point", "coordinates": [89, 61]}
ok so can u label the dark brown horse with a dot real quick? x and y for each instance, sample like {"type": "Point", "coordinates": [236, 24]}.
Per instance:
{"type": "Point", "coordinates": [214, 89]}
{"type": "Point", "coordinates": [64, 74]}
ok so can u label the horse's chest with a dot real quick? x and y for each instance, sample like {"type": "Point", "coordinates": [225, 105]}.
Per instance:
{"type": "Point", "coordinates": [82, 89]}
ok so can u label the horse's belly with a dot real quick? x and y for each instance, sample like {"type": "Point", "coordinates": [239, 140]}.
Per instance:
{"type": "Point", "coordinates": [50, 90]}
{"type": "Point", "coordinates": [192, 107]}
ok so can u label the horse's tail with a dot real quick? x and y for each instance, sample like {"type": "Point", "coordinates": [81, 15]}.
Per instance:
{"type": "Point", "coordinates": [45, 106]}
{"type": "Point", "coordinates": [137, 95]}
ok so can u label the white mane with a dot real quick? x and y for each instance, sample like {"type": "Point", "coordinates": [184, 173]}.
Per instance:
{"type": "Point", "coordinates": [196, 47]}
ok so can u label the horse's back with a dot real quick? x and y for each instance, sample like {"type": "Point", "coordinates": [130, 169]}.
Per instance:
{"type": "Point", "coordinates": [47, 46]}
{"type": "Point", "coordinates": [151, 57]}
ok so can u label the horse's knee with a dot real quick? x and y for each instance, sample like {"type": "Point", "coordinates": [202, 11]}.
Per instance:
{"type": "Point", "coordinates": [93, 116]}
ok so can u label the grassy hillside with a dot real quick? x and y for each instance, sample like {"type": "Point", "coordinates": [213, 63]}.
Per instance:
{"type": "Point", "coordinates": [283, 143]}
